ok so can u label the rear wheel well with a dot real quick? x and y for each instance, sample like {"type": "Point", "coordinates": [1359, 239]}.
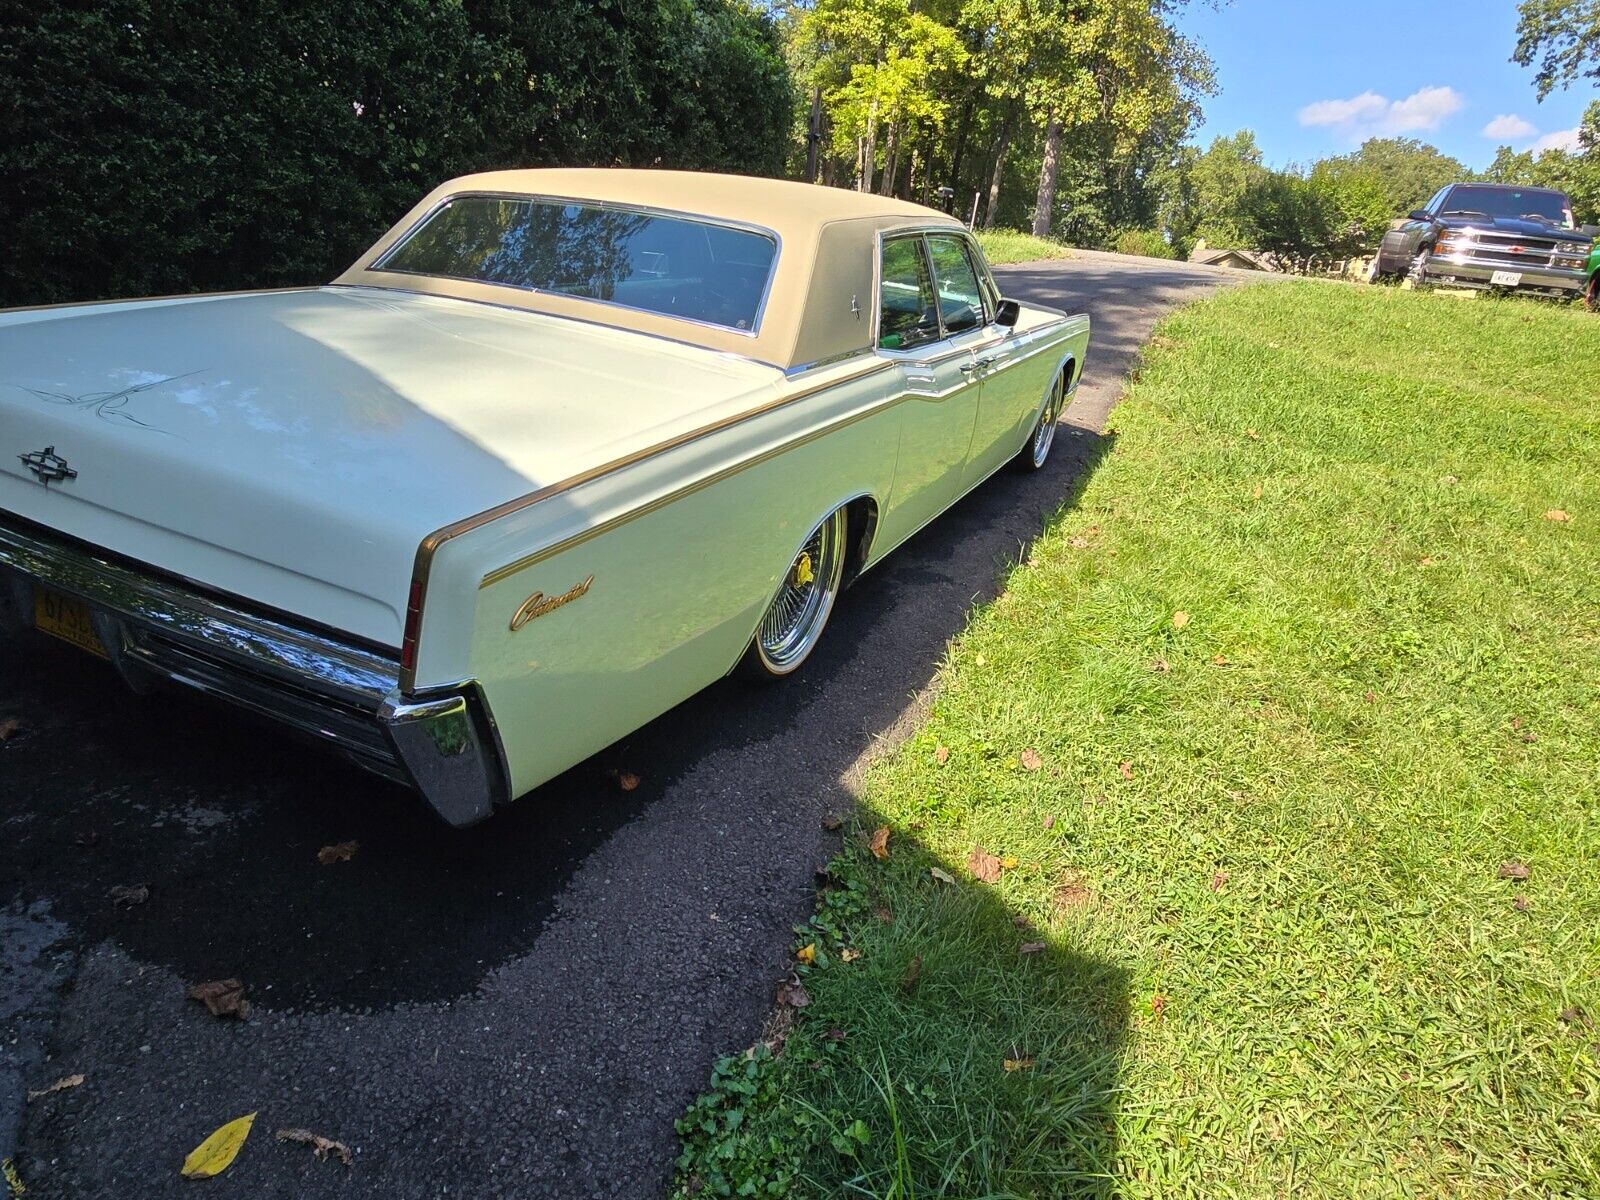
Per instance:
{"type": "Point", "coordinates": [862, 513]}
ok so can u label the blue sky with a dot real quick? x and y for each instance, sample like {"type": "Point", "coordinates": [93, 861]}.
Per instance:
{"type": "Point", "coordinates": [1316, 77]}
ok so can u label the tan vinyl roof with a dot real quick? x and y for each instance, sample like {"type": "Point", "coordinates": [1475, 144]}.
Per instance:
{"type": "Point", "coordinates": [820, 304]}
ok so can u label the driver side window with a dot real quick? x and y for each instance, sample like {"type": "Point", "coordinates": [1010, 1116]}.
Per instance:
{"type": "Point", "coordinates": [908, 312]}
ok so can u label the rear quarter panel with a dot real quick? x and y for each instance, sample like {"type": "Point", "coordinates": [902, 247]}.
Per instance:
{"type": "Point", "coordinates": [684, 550]}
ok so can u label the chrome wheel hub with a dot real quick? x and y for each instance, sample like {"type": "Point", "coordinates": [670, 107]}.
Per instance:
{"type": "Point", "coordinates": [1044, 433]}
{"type": "Point", "coordinates": [794, 622]}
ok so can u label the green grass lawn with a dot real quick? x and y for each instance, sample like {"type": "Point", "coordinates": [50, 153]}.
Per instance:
{"type": "Point", "coordinates": [1002, 246]}
{"type": "Point", "coordinates": [1303, 670]}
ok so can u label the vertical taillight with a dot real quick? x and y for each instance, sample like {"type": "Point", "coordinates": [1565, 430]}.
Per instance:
{"type": "Point", "coordinates": [408, 644]}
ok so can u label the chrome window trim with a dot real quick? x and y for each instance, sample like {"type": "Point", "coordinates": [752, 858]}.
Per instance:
{"type": "Point", "coordinates": [649, 210]}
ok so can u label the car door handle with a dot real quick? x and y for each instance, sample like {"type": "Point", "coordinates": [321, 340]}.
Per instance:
{"type": "Point", "coordinates": [969, 368]}
{"type": "Point", "coordinates": [988, 360]}
{"type": "Point", "coordinates": [981, 364]}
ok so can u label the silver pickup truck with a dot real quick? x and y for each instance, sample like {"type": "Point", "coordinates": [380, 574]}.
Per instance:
{"type": "Point", "coordinates": [1484, 235]}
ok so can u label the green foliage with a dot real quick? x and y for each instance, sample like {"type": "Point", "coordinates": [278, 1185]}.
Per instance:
{"type": "Point", "coordinates": [1258, 867]}
{"type": "Point", "coordinates": [1578, 175]}
{"type": "Point", "coordinates": [1002, 246]}
{"type": "Point", "coordinates": [170, 145]}
{"type": "Point", "coordinates": [1563, 36]}
{"type": "Point", "coordinates": [1148, 242]}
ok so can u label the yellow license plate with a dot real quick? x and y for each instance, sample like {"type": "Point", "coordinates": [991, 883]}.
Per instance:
{"type": "Point", "coordinates": [68, 619]}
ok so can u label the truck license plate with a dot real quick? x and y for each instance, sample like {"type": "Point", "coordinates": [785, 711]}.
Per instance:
{"type": "Point", "coordinates": [1505, 278]}
{"type": "Point", "coordinates": [68, 619]}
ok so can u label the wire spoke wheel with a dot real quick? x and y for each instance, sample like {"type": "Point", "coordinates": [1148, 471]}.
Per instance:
{"type": "Point", "coordinates": [1044, 433]}
{"type": "Point", "coordinates": [793, 623]}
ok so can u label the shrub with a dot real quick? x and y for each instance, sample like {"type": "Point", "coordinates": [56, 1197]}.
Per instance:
{"type": "Point", "coordinates": [152, 146]}
{"type": "Point", "coordinates": [1147, 242]}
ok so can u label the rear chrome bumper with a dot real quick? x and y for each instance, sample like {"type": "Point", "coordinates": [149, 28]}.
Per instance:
{"type": "Point", "coordinates": [1461, 271]}
{"type": "Point", "coordinates": [345, 695]}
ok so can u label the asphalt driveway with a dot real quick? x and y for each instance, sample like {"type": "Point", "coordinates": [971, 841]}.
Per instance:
{"type": "Point", "coordinates": [518, 1010]}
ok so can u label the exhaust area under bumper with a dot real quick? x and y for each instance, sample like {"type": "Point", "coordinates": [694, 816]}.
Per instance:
{"type": "Point", "coordinates": [154, 629]}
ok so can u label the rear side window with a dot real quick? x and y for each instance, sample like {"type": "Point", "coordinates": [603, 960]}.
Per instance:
{"type": "Point", "coordinates": [675, 266]}
{"type": "Point", "coordinates": [908, 313]}
{"type": "Point", "coordinates": [955, 277]}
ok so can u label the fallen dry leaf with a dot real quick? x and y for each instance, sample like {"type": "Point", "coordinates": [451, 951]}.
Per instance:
{"type": "Point", "coordinates": [941, 755]}
{"type": "Point", "coordinates": [1449, 479]}
{"type": "Point", "coordinates": [337, 853]}
{"type": "Point", "coordinates": [1180, 619]}
{"type": "Point", "coordinates": [983, 865]}
{"type": "Point", "coordinates": [879, 845]}
{"type": "Point", "coordinates": [1031, 760]}
{"type": "Point", "coordinates": [913, 975]}
{"type": "Point", "coordinates": [627, 781]}
{"type": "Point", "coordinates": [1576, 1016]}
{"type": "Point", "coordinates": [793, 993]}
{"type": "Point", "coordinates": [321, 1147]}
{"type": "Point", "coordinates": [1161, 666]}
{"type": "Point", "coordinates": [222, 998]}
{"type": "Point", "coordinates": [216, 1154]}
{"type": "Point", "coordinates": [1220, 660]}
{"type": "Point", "coordinates": [1255, 492]}
{"type": "Point", "coordinates": [1371, 697]}
{"type": "Point", "coordinates": [1555, 514]}
{"type": "Point", "coordinates": [941, 875]}
{"type": "Point", "coordinates": [9, 728]}
{"type": "Point", "coordinates": [130, 895]}
{"type": "Point", "coordinates": [1521, 904]}
{"type": "Point", "coordinates": [806, 954]}
{"type": "Point", "coordinates": [887, 917]}
{"type": "Point", "coordinates": [1032, 947]}
{"type": "Point", "coordinates": [61, 1085]}
{"type": "Point", "coordinates": [849, 954]}
{"type": "Point", "coordinates": [1050, 821]}
{"type": "Point", "coordinates": [832, 822]}
{"type": "Point", "coordinates": [1251, 433]}
{"type": "Point", "coordinates": [1218, 881]}
{"type": "Point", "coordinates": [1126, 768]}
{"type": "Point", "coordinates": [1512, 870]}
{"type": "Point", "coordinates": [835, 1035]}
{"type": "Point", "coordinates": [1158, 1005]}
{"type": "Point", "coordinates": [1516, 722]}
{"type": "Point", "coordinates": [1017, 1064]}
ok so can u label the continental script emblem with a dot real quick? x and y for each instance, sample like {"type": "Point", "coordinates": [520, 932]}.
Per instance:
{"type": "Point", "coordinates": [47, 466]}
{"type": "Point", "coordinates": [538, 604]}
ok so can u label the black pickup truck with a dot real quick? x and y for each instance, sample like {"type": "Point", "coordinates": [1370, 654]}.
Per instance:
{"type": "Point", "coordinates": [1487, 235]}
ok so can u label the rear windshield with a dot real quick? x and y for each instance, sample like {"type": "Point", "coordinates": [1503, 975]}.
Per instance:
{"type": "Point", "coordinates": [675, 266]}
{"type": "Point", "coordinates": [1509, 202]}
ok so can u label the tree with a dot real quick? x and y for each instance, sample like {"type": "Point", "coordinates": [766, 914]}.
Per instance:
{"type": "Point", "coordinates": [154, 146]}
{"type": "Point", "coordinates": [1220, 180]}
{"type": "Point", "coordinates": [1563, 36]}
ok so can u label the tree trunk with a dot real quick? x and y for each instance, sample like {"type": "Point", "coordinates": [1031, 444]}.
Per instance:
{"type": "Point", "coordinates": [963, 126]}
{"type": "Point", "coordinates": [1044, 206]}
{"type": "Point", "coordinates": [870, 155]}
{"type": "Point", "coordinates": [891, 158]}
{"type": "Point", "coordinates": [999, 167]}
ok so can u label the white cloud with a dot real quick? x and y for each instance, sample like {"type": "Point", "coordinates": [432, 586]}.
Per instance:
{"type": "Point", "coordinates": [1508, 127]}
{"type": "Point", "coordinates": [1561, 139]}
{"type": "Point", "coordinates": [1371, 114]}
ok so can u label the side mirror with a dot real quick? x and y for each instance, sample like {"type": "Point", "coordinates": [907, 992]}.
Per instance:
{"type": "Point", "coordinates": [1417, 214]}
{"type": "Point", "coordinates": [1589, 231]}
{"type": "Point", "coordinates": [1007, 313]}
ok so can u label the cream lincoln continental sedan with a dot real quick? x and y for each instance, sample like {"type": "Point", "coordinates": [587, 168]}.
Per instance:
{"type": "Point", "coordinates": [563, 448]}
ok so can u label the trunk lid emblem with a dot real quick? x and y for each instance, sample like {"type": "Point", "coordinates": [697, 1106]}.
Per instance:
{"type": "Point", "coordinates": [47, 466]}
